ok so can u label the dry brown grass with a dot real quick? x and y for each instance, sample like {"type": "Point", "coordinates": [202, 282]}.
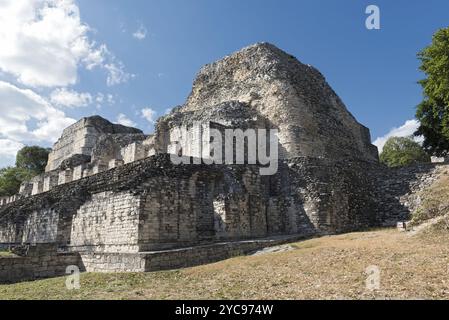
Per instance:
{"type": "Point", "coordinates": [325, 268]}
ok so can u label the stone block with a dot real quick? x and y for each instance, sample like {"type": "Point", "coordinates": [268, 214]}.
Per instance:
{"type": "Point", "coordinates": [26, 189]}
{"type": "Point", "coordinates": [87, 172]}
{"type": "Point", "coordinates": [402, 226]}
{"type": "Point", "coordinates": [99, 167]}
{"type": "Point", "coordinates": [78, 172]}
{"type": "Point", "coordinates": [134, 152]}
{"type": "Point", "coordinates": [50, 181]}
{"type": "Point", "coordinates": [115, 163]}
{"type": "Point", "coordinates": [151, 152]}
{"type": "Point", "coordinates": [65, 176]}
{"type": "Point", "coordinates": [38, 187]}
{"type": "Point", "coordinates": [81, 138]}
{"type": "Point", "coordinates": [12, 199]}
{"type": "Point", "coordinates": [439, 160]}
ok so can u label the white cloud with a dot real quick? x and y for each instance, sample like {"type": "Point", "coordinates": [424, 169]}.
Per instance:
{"type": "Point", "coordinates": [111, 99]}
{"type": "Point", "coordinates": [26, 116]}
{"type": "Point", "coordinates": [43, 42]}
{"type": "Point", "coordinates": [9, 148]}
{"type": "Point", "coordinates": [141, 33]}
{"type": "Point", "coordinates": [406, 130]}
{"type": "Point", "coordinates": [148, 114]}
{"type": "Point", "coordinates": [124, 120]}
{"type": "Point", "coordinates": [99, 98]}
{"type": "Point", "coordinates": [70, 98]}
{"type": "Point", "coordinates": [117, 74]}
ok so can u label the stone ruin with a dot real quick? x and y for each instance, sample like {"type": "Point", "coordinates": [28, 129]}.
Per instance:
{"type": "Point", "coordinates": [111, 199]}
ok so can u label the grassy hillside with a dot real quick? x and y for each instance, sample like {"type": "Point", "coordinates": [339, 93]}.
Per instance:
{"type": "Point", "coordinates": [326, 268]}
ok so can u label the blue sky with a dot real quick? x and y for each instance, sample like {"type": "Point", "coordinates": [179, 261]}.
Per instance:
{"type": "Point", "coordinates": [144, 54]}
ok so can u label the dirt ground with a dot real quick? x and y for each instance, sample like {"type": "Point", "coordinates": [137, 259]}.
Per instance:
{"type": "Point", "coordinates": [335, 267]}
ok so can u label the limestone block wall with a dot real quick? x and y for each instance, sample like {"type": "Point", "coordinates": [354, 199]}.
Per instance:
{"type": "Point", "coordinates": [26, 189]}
{"type": "Point", "coordinates": [209, 253]}
{"type": "Point", "coordinates": [189, 211]}
{"type": "Point", "coordinates": [134, 152]}
{"type": "Point", "coordinates": [177, 258]}
{"type": "Point", "coordinates": [152, 204]}
{"type": "Point", "coordinates": [398, 190]}
{"type": "Point", "coordinates": [113, 262]}
{"type": "Point", "coordinates": [313, 121]}
{"type": "Point", "coordinates": [335, 196]}
{"type": "Point", "coordinates": [8, 231]}
{"type": "Point", "coordinates": [50, 180]}
{"type": "Point", "coordinates": [41, 261]}
{"type": "Point", "coordinates": [81, 138]}
{"type": "Point", "coordinates": [169, 215]}
{"type": "Point", "coordinates": [108, 222]}
{"type": "Point", "coordinates": [192, 129]}
{"type": "Point", "coordinates": [77, 139]}
{"type": "Point", "coordinates": [41, 227]}
{"type": "Point", "coordinates": [240, 209]}
{"type": "Point", "coordinates": [38, 185]}
{"type": "Point", "coordinates": [152, 215]}
{"type": "Point", "coordinates": [65, 176]}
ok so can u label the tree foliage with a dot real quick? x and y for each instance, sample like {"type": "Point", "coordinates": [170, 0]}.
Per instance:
{"type": "Point", "coordinates": [399, 152]}
{"type": "Point", "coordinates": [433, 112]}
{"type": "Point", "coordinates": [11, 178]}
{"type": "Point", "coordinates": [32, 158]}
{"type": "Point", "coordinates": [30, 162]}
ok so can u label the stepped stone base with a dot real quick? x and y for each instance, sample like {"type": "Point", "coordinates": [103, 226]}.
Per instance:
{"type": "Point", "coordinates": [178, 258]}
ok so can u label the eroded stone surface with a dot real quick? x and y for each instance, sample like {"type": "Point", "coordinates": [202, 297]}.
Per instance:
{"type": "Point", "coordinates": [294, 97]}
{"type": "Point", "coordinates": [81, 138]}
{"type": "Point", "coordinates": [112, 194]}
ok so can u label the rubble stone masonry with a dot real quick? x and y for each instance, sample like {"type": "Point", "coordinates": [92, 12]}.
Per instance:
{"type": "Point", "coordinates": [112, 199]}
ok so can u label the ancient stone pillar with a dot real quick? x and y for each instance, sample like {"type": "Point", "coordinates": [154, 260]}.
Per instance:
{"type": "Point", "coordinates": [100, 167]}
{"type": "Point", "coordinates": [50, 181]}
{"type": "Point", "coordinates": [12, 199]}
{"type": "Point", "coordinates": [115, 163]}
{"type": "Point", "coordinates": [38, 187]}
{"type": "Point", "coordinates": [26, 189]}
{"type": "Point", "coordinates": [65, 176]}
{"type": "Point", "coordinates": [3, 201]}
{"type": "Point", "coordinates": [133, 152]}
{"type": "Point", "coordinates": [78, 172]}
{"type": "Point", "coordinates": [87, 172]}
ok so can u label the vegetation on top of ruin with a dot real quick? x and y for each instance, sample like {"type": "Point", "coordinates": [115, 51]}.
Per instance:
{"type": "Point", "coordinates": [30, 162]}
{"type": "Point", "coordinates": [403, 151]}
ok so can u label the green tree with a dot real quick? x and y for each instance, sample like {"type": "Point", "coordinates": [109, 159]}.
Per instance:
{"type": "Point", "coordinates": [399, 152]}
{"type": "Point", "coordinates": [30, 162]}
{"type": "Point", "coordinates": [433, 112]}
{"type": "Point", "coordinates": [11, 178]}
{"type": "Point", "coordinates": [33, 159]}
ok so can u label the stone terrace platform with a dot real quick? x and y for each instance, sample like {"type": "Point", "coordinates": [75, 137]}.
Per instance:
{"type": "Point", "coordinates": [180, 258]}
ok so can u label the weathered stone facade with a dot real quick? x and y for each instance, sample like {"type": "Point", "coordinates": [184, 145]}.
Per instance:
{"type": "Point", "coordinates": [294, 97]}
{"type": "Point", "coordinates": [36, 262]}
{"type": "Point", "coordinates": [112, 195]}
{"type": "Point", "coordinates": [81, 138]}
